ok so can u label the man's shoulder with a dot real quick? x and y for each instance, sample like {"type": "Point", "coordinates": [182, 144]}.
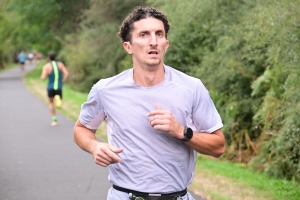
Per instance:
{"type": "Point", "coordinates": [119, 79]}
{"type": "Point", "coordinates": [47, 65]}
{"type": "Point", "coordinates": [180, 77]}
{"type": "Point", "coordinates": [60, 64]}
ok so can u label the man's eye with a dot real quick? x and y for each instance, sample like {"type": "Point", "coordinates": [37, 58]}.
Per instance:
{"type": "Point", "coordinates": [143, 34]}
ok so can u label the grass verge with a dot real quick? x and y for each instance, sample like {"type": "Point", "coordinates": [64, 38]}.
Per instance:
{"type": "Point", "coordinates": [8, 66]}
{"type": "Point", "coordinates": [223, 180]}
{"type": "Point", "coordinates": [214, 179]}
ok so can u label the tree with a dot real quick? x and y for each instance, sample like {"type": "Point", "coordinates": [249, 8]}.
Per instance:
{"type": "Point", "coordinates": [43, 24]}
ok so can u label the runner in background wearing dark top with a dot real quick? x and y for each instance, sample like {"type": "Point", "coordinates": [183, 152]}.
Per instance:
{"type": "Point", "coordinates": [57, 74]}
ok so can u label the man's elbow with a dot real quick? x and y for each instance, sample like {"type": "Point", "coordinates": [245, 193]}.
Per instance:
{"type": "Point", "coordinates": [74, 138]}
{"type": "Point", "coordinates": [66, 73]}
{"type": "Point", "coordinates": [219, 152]}
{"type": "Point", "coordinates": [75, 130]}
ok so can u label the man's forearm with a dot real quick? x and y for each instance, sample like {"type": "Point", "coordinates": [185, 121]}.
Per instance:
{"type": "Point", "coordinates": [212, 144]}
{"type": "Point", "coordinates": [84, 138]}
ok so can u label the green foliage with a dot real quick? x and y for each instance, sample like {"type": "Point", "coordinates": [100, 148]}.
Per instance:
{"type": "Point", "coordinates": [40, 25]}
{"type": "Point", "coordinates": [279, 111]}
{"type": "Point", "coordinates": [8, 22]}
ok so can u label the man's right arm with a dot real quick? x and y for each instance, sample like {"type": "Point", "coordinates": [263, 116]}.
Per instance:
{"type": "Point", "coordinates": [104, 154]}
{"type": "Point", "coordinates": [44, 72]}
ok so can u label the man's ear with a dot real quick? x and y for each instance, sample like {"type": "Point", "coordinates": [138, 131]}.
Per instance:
{"type": "Point", "coordinates": [127, 47]}
{"type": "Point", "coordinates": [167, 45]}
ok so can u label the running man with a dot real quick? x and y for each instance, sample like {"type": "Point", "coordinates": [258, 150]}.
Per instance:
{"type": "Point", "coordinates": [22, 59]}
{"type": "Point", "coordinates": [157, 118]}
{"type": "Point", "coordinates": [57, 74]}
{"type": "Point", "coordinates": [30, 57]}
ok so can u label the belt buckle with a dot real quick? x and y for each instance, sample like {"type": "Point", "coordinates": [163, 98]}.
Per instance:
{"type": "Point", "coordinates": [134, 197]}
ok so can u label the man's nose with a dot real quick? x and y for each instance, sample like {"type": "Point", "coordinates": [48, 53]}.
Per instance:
{"type": "Point", "coordinates": [153, 40]}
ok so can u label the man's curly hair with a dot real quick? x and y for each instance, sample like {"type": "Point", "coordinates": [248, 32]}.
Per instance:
{"type": "Point", "coordinates": [139, 13]}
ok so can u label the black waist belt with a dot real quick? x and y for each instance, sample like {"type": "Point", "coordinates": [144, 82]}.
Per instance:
{"type": "Point", "coordinates": [175, 194]}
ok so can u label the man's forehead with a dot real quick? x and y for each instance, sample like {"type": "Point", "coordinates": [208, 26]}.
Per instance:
{"type": "Point", "coordinates": [149, 23]}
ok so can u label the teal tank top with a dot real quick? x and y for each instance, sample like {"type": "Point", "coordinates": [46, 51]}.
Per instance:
{"type": "Point", "coordinates": [55, 78]}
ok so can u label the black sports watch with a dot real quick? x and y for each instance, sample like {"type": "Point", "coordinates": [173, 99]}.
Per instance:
{"type": "Point", "coordinates": [188, 134]}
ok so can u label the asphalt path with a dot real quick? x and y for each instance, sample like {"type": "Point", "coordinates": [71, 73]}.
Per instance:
{"type": "Point", "coordinates": [38, 161]}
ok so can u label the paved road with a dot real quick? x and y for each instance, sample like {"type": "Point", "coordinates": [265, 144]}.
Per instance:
{"type": "Point", "coordinates": [37, 161]}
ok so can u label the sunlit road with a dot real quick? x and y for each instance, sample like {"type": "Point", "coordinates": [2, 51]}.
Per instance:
{"type": "Point", "coordinates": [37, 161]}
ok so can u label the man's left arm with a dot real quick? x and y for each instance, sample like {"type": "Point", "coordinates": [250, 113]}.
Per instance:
{"type": "Point", "coordinates": [212, 144]}
{"type": "Point", "coordinates": [64, 71]}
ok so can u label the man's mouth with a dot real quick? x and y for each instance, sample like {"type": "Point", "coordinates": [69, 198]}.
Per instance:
{"type": "Point", "coordinates": [153, 52]}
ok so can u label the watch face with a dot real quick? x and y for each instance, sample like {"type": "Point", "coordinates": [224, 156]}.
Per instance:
{"type": "Point", "coordinates": [189, 133]}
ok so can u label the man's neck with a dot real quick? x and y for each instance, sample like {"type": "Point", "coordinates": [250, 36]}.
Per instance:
{"type": "Point", "coordinates": [147, 78]}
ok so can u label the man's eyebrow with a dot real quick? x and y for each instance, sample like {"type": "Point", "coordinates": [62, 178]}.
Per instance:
{"type": "Point", "coordinates": [142, 31]}
{"type": "Point", "coordinates": [147, 30]}
{"type": "Point", "coordinates": [160, 30]}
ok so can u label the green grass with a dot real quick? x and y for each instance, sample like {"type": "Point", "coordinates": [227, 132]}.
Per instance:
{"type": "Point", "coordinates": [36, 72]}
{"type": "Point", "coordinates": [8, 66]}
{"type": "Point", "coordinates": [277, 188]}
{"type": "Point", "coordinates": [263, 186]}
{"type": "Point", "coordinates": [75, 97]}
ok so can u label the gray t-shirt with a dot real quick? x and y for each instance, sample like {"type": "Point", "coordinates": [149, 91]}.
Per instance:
{"type": "Point", "coordinates": [152, 160]}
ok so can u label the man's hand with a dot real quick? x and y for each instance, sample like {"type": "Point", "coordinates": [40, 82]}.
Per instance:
{"type": "Point", "coordinates": [105, 154]}
{"type": "Point", "coordinates": [165, 121]}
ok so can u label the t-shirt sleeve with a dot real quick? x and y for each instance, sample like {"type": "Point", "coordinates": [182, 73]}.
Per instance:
{"type": "Point", "coordinates": [92, 113]}
{"type": "Point", "coordinates": [205, 115]}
